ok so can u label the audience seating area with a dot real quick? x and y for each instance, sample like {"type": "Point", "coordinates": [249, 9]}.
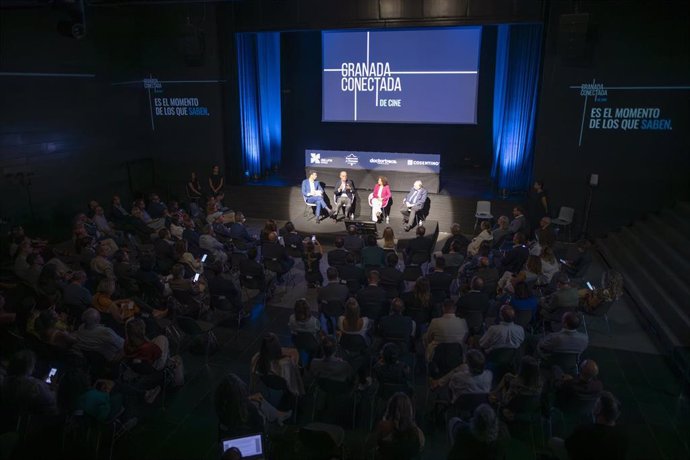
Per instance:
{"type": "Point", "coordinates": [106, 341]}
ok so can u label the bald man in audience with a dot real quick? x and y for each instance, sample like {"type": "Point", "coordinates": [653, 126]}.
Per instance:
{"type": "Point", "coordinates": [505, 334]}
{"type": "Point", "coordinates": [567, 340]}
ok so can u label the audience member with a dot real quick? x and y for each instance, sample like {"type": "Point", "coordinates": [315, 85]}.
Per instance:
{"type": "Point", "coordinates": [471, 377]}
{"type": "Point", "coordinates": [505, 334]}
{"type": "Point", "coordinates": [601, 440]}
{"type": "Point", "coordinates": [418, 301]}
{"type": "Point", "coordinates": [549, 264]}
{"type": "Point", "coordinates": [476, 300]}
{"type": "Point", "coordinates": [372, 297]}
{"type": "Point", "coordinates": [274, 359]}
{"type": "Point", "coordinates": [240, 412]}
{"type": "Point", "coordinates": [75, 294]}
{"type": "Point", "coordinates": [397, 436]}
{"type": "Point", "coordinates": [484, 235]}
{"type": "Point", "coordinates": [456, 236]}
{"type": "Point", "coordinates": [24, 393]}
{"type": "Point", "coordinates": [94, 337]}
{"type": "Point", "coordinates": [502, 232]}
{"type": "Point", "coordinates": [483, 437]}
{"type": "Point", "coordinates": [330, 366]}
{"type": "Point", "coordinates": [567, 340]}
{"type": "Point", "coordinates": [516, 258]}
{"type": "Point", "coordinates": [389, 370]}
{"type": "Point", "coordinates": [353, 242]}
{"type": "Point", "coordinates": [312, 263]}
{"type": "Point", "coordinates": [336, 257]}
{"type": "Point", "coordinates": [301, 320]}
{"type": "Point", "coordinates": [372, 254]}
{"type": "Point", "coordinates": [353, 323]}
{"type": "Point", "coordinates": [519, 223]}
{"type": "Point", "coordinates": [448, 328]}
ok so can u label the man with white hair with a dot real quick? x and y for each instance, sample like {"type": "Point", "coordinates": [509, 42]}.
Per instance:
{"type": "Point", "coordinates": [412, 204]}
{"type": "Point", "coordinates": [93, 336]}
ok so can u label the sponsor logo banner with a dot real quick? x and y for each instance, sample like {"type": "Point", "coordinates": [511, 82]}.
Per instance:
{"type": "Point", "coordinates": [402, 162]}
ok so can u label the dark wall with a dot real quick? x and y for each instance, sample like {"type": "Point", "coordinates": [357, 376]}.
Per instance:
{"type": "Point", "coordinates": [459, 145]}
{"type": "Point", "coordinates": [86, 137]}
{"type": "Point", "coordinates": [627, 44]}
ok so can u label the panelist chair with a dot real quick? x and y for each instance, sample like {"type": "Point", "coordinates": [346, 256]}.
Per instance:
{"type": "Point", "coordinates": [352, 206]}
{"type": "Point", "coordinates": [385, 206]}
{"type": "Point", "coordinates": [483, 212]}
{"type": "Point", "coordinates": [309, 208]}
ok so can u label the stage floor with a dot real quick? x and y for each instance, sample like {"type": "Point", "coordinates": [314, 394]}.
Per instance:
{"type": "Point", "coordinates": [329, 229]}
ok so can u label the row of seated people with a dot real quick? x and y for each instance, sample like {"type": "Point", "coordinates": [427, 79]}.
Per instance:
{"type": "Point", "coordinates": [498, 375]}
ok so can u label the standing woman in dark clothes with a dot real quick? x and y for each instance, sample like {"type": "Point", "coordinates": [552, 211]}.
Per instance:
{"type": "Point", "coordinates": [216, 181]}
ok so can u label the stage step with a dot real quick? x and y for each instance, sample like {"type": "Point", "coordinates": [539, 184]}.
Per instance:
{"type": "Point", "coordinates": [652, 254]}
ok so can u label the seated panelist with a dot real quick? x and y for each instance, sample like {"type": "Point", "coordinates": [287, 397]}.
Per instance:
{"type": "Point", "coordinates": [412, 204]}
{"type": "Point", "coordinates": [313, 194]}
{"type": "Point", "coordinates": [378, 199]}
{"type": "Point", "coordinates": [344, 195]}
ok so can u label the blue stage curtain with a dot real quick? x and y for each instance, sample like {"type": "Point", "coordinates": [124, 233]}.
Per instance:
{"type": "Point", "coordinates": [258, 68]}
{"type": "Point", "coordinates": [518, 53]}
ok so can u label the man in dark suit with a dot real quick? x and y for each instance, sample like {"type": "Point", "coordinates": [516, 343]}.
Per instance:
{"type": "Point", "coordinates": [372, 297]}
{"type": "Point", "coordinates": [352, 274]}
{"type": "Point", "coordinates": [336, 257]}
{"type": "Point", "coordinates": [516, 258]}
{"type": "Point", "coordinates": [344, 195]}
{"type": "Point", "coordinates": [396, 325]}
{"type": "Point", "coordinates": [330, 366]}
{"type": "Point", "coordinates": [272, 250]}
{"type": "Point", "coordinates": [439, 281]}
{"type": "Point", "coordinates": [412, 204]}
{"type": "Point", "coordinates": [392, 278]}
{"type": "Point", "coordinates": [455, 236]}
{"type": "Point", "coordinates": [251, 268]}
{"type": "Point", "coordinates": [475, 300]}
{"type": "Point", "coordinates": [293, 240]}
{"type": "Point", "coordinates": [519, 223]}
{"type": "Point", "coordinates": [353, 242]}
{"type": "Point", "coordinates": [334, 290]}
{"type": "Point", "coordinates": [420, 244]}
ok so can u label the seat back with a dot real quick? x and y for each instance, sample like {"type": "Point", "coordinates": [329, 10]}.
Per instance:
{"type": "Point", "coordinates": [566, 214]}
{"type": "Point", "coordinates": [484, 207]}
{"type": "Point", "coordinates": [305, 341]}
{"type": "Point", "coordinates": [353, 343]}
{"type": "Point", "coordinates": [447, 356]}
{"type": "Point", "coordinates": [475, 321]}
{"type": "Point", "coordinates": [275, 266]}
{"type": "Point", "coordinates": [251, 282]}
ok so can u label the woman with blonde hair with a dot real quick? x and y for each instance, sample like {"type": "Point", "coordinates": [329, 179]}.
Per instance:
{"type": "Point", "coordinates": [389, 241]}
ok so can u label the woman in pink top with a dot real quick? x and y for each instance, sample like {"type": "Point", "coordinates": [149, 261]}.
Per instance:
{"type": "Point", "coordinates": [378, 200]}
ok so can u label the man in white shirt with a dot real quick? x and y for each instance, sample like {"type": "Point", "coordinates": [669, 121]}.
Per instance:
{"type": "Point", "coordinates": [448, 328]}
{"type": "Point", "coordinates": [505, 334]}
{"type": "Point", "coordinates": [471, 377]}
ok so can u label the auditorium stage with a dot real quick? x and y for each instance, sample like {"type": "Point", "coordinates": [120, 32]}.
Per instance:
{"type": "Point", "coordinates": [284, 203]}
